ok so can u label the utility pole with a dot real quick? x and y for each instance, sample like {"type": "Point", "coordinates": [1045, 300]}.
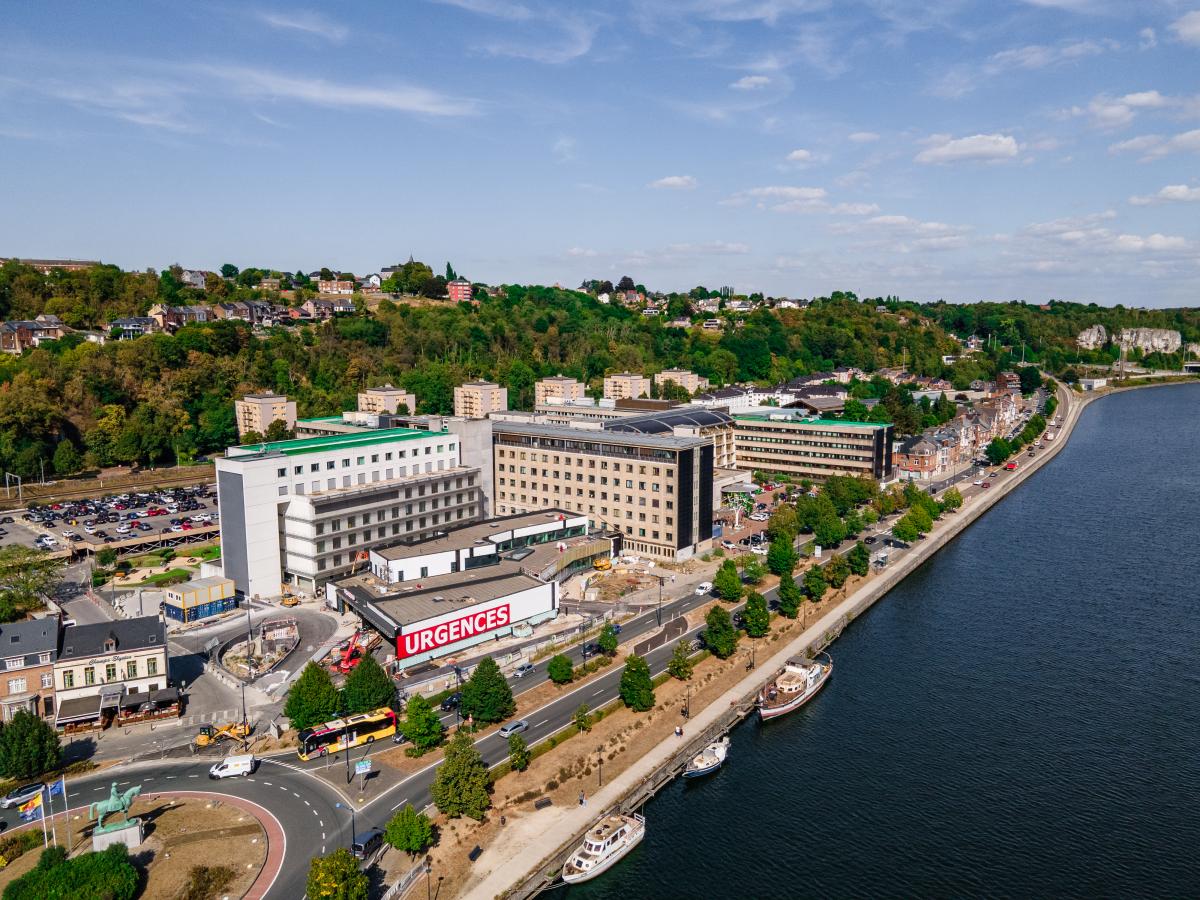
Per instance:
{"type": "Point", "coordinates": [659, 610]}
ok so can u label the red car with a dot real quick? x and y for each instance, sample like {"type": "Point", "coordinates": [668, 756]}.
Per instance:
{"type": "Point", "coordinates": [986, 484]}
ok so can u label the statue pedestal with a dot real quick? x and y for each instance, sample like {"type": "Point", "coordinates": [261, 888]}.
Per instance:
{"type": "Point", "coordinates": [128, 833]}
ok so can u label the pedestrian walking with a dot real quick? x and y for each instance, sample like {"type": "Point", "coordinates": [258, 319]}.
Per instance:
{"type": "Point", "coordinates": [582, 799]}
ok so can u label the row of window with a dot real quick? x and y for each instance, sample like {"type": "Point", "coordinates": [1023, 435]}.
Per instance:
{"type": "Point", "coordinates": [110, 672]}
{"type": "Point", "coordinates": [331, 484]}
{"type": "Point", "coordinates": [523, 456]}
{"type": "Point", "coordinates": [18, 662]}
{"type": "Point", "coordinates": [616, 498]}
{"type": "Point", "coordinates": [410, 526]}
{"type": "Point", "coordinates": [18, 685]}
{"type": "Point", "coordinates": [591, 509]}
{"type": "Point", "coordinates": [331, 464]}
{"type": "Point", "coordinates": [591, 479]}
{"type": "Point", "coordinates": [584, 447]}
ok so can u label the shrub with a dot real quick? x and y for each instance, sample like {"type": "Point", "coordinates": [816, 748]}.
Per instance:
{"type": "Point", "coordinates": [560, 669]}
{"type": "Point", "coordinates": [207, 882]}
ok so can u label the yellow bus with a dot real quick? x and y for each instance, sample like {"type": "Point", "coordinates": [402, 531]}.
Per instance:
{"type": "Point", "coordinates": [342, 734]}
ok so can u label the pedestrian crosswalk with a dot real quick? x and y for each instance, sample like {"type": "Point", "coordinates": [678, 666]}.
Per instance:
{"type": "Point", "coordinates": [224, 715]}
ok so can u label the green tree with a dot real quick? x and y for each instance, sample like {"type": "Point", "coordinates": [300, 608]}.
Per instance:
{"type": "Point", "coordinates": [905, 530]}
{"type": "Point", "coordinates": [28, 746]}
{"type": "Point", "coordinates": [336, 877]}
{"type": "Point", "coordinates": [727, 583]}
{"type": "Point", "coordinates": [783, 524]}
{"type": "Point", "coordinates": [837, 570]}
{"type": "Point", "coordinates": [486, 697]}
{"type": "Point", "coordinates": [1031, 379]}
{"type": "Point", "coordinates": [67, 460]}
{"type": "Point", "coordinates": [814, 584]}
{"type": "Point", "coordinates": [27, 577]}
{"type": "Point", "coordinates": [583, 718]}
{"type": "Point", "coordinates": [422, 725]}
{"type": "Point", "coordinates": [367, 687]}
{"type": "Point", "coordinates": [998, 451]}
{"type": "Point", "coordinates": [859, 558]}
{"type": "Point", "coordinates": [313, 699]}
{"type": "Point", "coordinates": [608, 640]}
{"type": "Point", "coordinates": [719, 634]}
{"type": "Point", "coordinates": [409, 830]}
{"type": "Point", "coordinates": [560, 669]}
{"type": "Point", "coordinates": [789, 596]}
{"type": "Point", "coordinates": [518, 753]}
{"type": "Point", "coordinates": [681, 664]}
{"type": "Point", "coordinates": [637, 687]}
{"type": "Point", "coordinates": [829, 531]}
{"type": "Point", "coordinates": [229, 270]}
{"type": "Point", "coordinates": [781, 557]}
{"type": "Point", "coordinates": [757, 618]}
{"type": "Point", "coordinates": [108, 874]}
{"type": "Point", "coordinates": [853, 522]}
{"type": "Point", "coordinates": [952, 499]}
{"type": "Point", "coordinates": [106, 557]}
{"type": "Point", "coordinates": [461, 785]}
{"type": "Point", "coordinates": [752, 570]}
{"type": "Point", "coordinates": [278, 431]}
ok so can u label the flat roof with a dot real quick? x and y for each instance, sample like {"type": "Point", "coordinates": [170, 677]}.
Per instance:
{"type": "Point", "coordinates": [625, 438]}
{"type": "Point", "coordinates": [197, 583]}
{"type": "Point", "coordinates": [440, 594]}
{"type": "Point", "coordinates": [783, 416]}
{"type": "Point", "coordinates": [333, 442]}
{"type": "Point", "coordinates": [466, 535]}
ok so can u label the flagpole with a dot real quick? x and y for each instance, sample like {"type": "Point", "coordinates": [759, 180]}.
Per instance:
{"type": "Point", "coordinates": [67, 813]}
{"type": "Point", "coordinates": [42, 810]}
{"type": "Point", "coordinates": [53, 828]}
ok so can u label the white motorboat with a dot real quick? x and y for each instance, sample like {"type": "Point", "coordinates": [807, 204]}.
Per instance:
{"type": "Point", "coordinates": [796, 684]}
{"type": "Point", "coordinates": [606, 843]}
{"type": "Point", "coordinates": [707, 760]}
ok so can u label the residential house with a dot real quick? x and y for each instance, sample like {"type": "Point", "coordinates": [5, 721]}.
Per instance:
{"type": "Point", "coordinates": [335, 286]}
{"type": "Point", "coordinates": [131, 327]}
{"type": "Point", "coordinates": [626, 384]}
{"type": "Point", "coordinates": [459, 290]}
{"type": "Point", "coordinates": [712, 325]}
{"type": "Point", "coordinates": [21, 335]}
{"type": "Point", "coordinates": [689, 381]}
{"type": "Point", "coordinates": [270, 284]}
{"type": "Point", "coordinates": [46, 266]}
{"type": "Point", "coordinates": [194, 278]}
{"type": "Point", "coordinates": [170, 318]}
{"type": "Point", "coordinates": [28, 651]}
{"type": "Point", "coordinates": [318, 308]}
{"type": "Point", "coordinates": [112, 670]}
{"type": "Point", "coordinates": [1009, 381]}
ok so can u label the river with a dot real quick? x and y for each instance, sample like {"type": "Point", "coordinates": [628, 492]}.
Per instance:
{"type": "Point", "coordinates": [1018, 718]}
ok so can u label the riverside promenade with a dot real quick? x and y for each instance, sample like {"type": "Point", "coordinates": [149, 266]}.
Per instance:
{"type": "Point", "coordinates": [531, 846]}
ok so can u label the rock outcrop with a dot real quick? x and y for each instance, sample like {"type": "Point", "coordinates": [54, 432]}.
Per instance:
{"type": "Point", "coordinates": [1193, 349]}
{"type": "Point", "coordinates": [1150, 340]}
{"type": "Point", "coordinates": [1092, 338]}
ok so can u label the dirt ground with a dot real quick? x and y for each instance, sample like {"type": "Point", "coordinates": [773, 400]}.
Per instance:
{"type": "Point", "coordinates": [180, 834]}
{"type": "Point", "coordinates": [621, 737]}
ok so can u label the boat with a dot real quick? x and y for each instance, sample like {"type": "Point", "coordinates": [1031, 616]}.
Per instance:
{"type": "Point", "coordinates": [606, 844]}
{"type": "Point", "coordinates": [707, 760]}
{"type": "Point", "coordinates": [796, 684]}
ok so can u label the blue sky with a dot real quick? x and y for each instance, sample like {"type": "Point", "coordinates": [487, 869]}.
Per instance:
{"type": "Point", "coordinates": [928, 148]}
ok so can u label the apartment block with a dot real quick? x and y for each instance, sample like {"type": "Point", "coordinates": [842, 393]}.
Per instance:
{"type": "Point", "coordinates": [655, 490]}
{"type": "Point", "coordinates": [686, 421]}
{"type": "Point", "coordinates": [255, 412]}
{"type": "Point", "coordinates": [689, 381]}
{"type": "Point", "coordinates": [386, 399]}
{"type": "Point", "coordinates": [557, 387]}
{"type": "Point", "coordinates": [304, 511]}
{"type": "Point", "coordinates": [626, 385]}
{"type": "Point", "coordinates": [787, 442]}
{"type": "Point", "coordinates": [475, 399]}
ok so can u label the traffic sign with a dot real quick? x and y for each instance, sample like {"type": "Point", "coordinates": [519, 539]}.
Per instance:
{"type": "Point", "coordinates": [362, 767]}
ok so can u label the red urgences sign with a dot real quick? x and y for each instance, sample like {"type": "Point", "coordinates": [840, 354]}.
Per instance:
{"type": "Point", "coordinates": [421, 640]}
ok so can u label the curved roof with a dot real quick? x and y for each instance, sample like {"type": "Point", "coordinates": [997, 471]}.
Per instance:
{"type": "Point", "coordinates": [665, 422]}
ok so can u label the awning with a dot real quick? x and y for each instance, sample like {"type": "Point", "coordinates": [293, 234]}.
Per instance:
{"type": "Point", "coordinates": [164, 697]}
{"type": "Point", "coordinates": [77, 709]}
{"type": "Point", "coordinates": [110, 695]}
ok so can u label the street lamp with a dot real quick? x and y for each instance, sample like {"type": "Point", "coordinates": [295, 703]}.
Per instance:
{"type": "Point", "coordinates": [687, 705]}
{"type": "Point", "coordinates": [661, 578]}
{"type": "Point", "coordinates": [352, 828]}
{"type": "Point", "coordinates": [600, 763]}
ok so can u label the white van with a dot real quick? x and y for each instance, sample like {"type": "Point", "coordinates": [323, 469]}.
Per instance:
{"type": "Point", "coordinates": [703, 588]}
{"type": "Point", "coordinates": [234, 765]}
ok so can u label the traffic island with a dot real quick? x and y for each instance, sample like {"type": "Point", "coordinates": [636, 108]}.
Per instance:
{"type": "Point", "coordinates": [188, 840]}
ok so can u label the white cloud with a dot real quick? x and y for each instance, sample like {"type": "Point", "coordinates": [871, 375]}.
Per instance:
{"type": "Point", "coordinates": [800, 156]}
{"type": "Point", "coordinates": [1147, 39]}
{"type": "Point", "coordinates": [1187, 28]}
{"type": "Point", "coordinates": [1086, 234]}
{"type": "Point", "coordinates": [1154, 146]}
{"type": "Point", "coordinates": [942, 148]}
{"type": "Point", "coordinates": [305, 21]}
{"type": "Point", "coordinates": [854, 209]}
{"type": "Point", "coordinates": [571, 35]}
{"type": "Point", "coordinates": [1172, 193]}
{"type": "Point", "coordinates": [1113, 112]}
{"type": "Point", "coordinates": [863, 137]}
{"type": "Point", "coordinates": [751, 83]}
{"type": "Point", "coordinates": [263, 83]}
{"type": "Point", "coordinates": [674, 183]}
{"type": "Point", "coordinates": [782, 198]}
{"type": "Point", "coordinates": [563, 148]}
{"type": "Point", "coordinates": [581, 252]}
{"type": "Point", "coordinates": [1136, 243]}
{"type": "Point", "coordinates": [499, 9]}
{"type": "Point", "coordinates": [1041, 56]}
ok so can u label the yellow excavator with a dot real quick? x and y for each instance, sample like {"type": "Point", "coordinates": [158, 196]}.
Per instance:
{"type": "Point", "coordinates": [234, 731]}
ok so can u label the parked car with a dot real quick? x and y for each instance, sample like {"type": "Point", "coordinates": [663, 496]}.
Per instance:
{"type": "Point", "coordinates": [23, 794]}
{"type": "Point", "coordinates": [729, 545]}
{"type": "Point", "coordinates": [513, 728]}
{"type": "Point", "coordinates": [759, 549]}
{"type": "Point", "coordinates": [704, 587]}
{"type": "Point", "coordinates": [367, 844]}
{"type": "Point", "coordinates": [869, 539]}
{"type": "Point", "coordinates": [522, 670]}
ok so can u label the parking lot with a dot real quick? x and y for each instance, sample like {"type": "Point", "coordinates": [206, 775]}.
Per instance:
{"type": "Point", "coordinates": [115, 518]}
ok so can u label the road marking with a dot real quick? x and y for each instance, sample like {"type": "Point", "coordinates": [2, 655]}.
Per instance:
{"type": "Point", "coordinates": [322, 835]}
{"type": "Point", "coordinates": [268, 784]}
{"type": "Point", "coordinates": [193, 776]}
{"type": "Point", "coordinates": [169, 777]}
{"type": "Point", "coordinates": [294, 794]}
{"type": "Point", "coordinates": [541, 723]}
{"type": "Point", "coordinates": [401, 803]}
{"type": "Point", "coordinates": [321, 822]}
{"type": "Point", "coordinates": [598, 693]}
{"type": "Point", "coordinates": [306, 803]}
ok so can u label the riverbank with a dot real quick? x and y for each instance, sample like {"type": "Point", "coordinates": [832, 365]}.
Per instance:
{"type": "Point", "coordinates": [520, 857]}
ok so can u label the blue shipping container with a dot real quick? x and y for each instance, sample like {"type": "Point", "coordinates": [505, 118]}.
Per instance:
{"type": "Point", "coordinates": [199, 611]}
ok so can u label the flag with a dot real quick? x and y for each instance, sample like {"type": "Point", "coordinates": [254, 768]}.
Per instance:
{"type": "Point", "coordinates": [59, 788]}
{"type": "Point", "coordinates": [32, 810]}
